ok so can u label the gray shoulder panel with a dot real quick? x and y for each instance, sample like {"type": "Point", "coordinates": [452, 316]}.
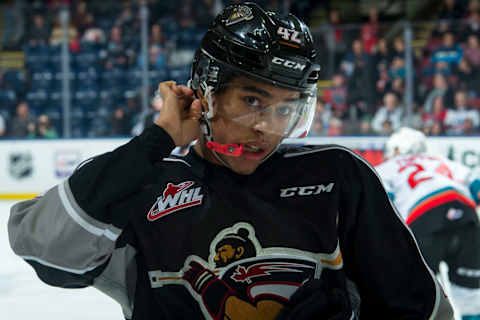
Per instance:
{"type": "Point", "coordinates": [55, 232]}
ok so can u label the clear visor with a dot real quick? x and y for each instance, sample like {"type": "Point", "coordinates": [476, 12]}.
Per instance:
{"type": "Point", "coordinates": [277, 111]}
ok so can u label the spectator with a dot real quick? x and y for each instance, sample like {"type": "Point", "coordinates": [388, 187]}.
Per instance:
{"type": "Point", "coordinates": [382, 55]}
{"type": "Point", "coordinates": [157, 56]}
{"type": "Point", "coordinates": [472, 50]}
{"type": "Point", "coordinates": [469, 128]}
{"type": "Point", "coordinates": [442, 67]}
{"type": "Point", "coordinates": [127, 14]}
{"type": "Point", "coordinates": [157, 37]}
{"type": "Point", "coordinates": [440, 88]}
{"type": "Point", "coordinates": [79, 17]}
{"type": "Point", "coordinates": [336, 96]}
{"type": "Point", "coordinates": [438, 112]}
{"type": "Point", "coordinates": [116, 51]}
{"type": "Point", "coordinates": [468, 78]}
{"type": "Point", "coordinates": [386, 128]}
{"type": "Point", "coordinates": [397, 68]}
{"type": "Point", "coordinates": [449, 52]}
{"type": "Point", "coordinates": [370, 30]}
{"type": "Point", "coordinates": [471, 25]}
{"type": "Point", "coordinates": [455, 118]}
{"type": "Point", "coordinates": [359, 69]}
{"type": "Point", "coordinates": [128, 21]}
{"type": "Point", "coordinates": [93, 34]}
{"type": "Point", "coordinates": [398, 48]}
{"type": "Point", "coordinates": [334, 37]}
{"type": "Point", "coordinates": [22, 125]}
{"type": "Point", "coordinates": [383, 83]}
{"type": "Point", "coordinates": [39, 31]}
{"type": "Point", "coordinates": [391, 111]}
{"type": "Point", "coordinates": [473, 6]}
{"type": "Point", "coordinates": [355, 58]}
{"type": "Point", "coordinates": [44, 128]}
{"type": "Point", "coordinates": [365, 126]}
{"type": "Point", "coordinates": [120, 124]}
{"type": "Point", "coordinates": [438, 129]}
{"type": "Point", "coordinates": [335, 127]}
{"type": "Point", "coordinates": [398, 87]}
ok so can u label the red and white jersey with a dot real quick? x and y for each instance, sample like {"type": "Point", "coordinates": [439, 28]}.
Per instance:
{"type": "Point", "coordinates": [418, 183]}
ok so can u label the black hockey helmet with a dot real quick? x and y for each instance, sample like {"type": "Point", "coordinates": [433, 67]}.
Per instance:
{"type": "Point", "coordinates": [244, 39]}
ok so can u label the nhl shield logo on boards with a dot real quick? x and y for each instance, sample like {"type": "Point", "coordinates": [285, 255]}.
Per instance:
{"type": "Point", "coordinates": [20, 165]}
{"type": "Point", "coordinates": [175, 197]}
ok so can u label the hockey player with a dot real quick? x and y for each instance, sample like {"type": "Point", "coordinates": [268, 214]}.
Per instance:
{"type": "Point", "coordinates": [239, 228]}
{"type": "Point", "coordinates": [438, 198]}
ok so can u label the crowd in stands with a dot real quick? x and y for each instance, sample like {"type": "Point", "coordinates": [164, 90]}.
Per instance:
{"type": "Point", "coordinates": [365, 71]}
{"type": "Point", "coordinates": [367, 90]}
{"type": "Point", "coordinates": [105, 62]}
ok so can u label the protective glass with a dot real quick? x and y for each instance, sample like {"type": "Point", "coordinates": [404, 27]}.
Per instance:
{"type": "Point", "coordinates": [281, 112]}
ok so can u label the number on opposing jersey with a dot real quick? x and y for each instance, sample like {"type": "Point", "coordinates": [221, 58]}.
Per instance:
{"type": "Point", "coordinates": [412, 180]}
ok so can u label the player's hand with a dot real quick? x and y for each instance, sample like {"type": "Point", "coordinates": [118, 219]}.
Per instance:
{"type": "Point", "coordinates": [317, 300]}
{"type": "Point", "coordinates": [180, 114]}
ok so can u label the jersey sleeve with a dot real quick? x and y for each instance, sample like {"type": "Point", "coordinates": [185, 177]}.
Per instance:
{"type": "Point", "coordinates": [380, 253]}
{"type": "Point", "coordinates": [69, 234]}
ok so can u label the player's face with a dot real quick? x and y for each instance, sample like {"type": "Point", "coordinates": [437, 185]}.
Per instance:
{"type": "Point", "coordinates": [255, 114]}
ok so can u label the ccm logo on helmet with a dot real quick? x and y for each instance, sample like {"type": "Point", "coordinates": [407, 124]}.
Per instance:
{"type": "Point", "coordinates": [306, 191]}
{"type": "Point", "coordinates": [288, 63]}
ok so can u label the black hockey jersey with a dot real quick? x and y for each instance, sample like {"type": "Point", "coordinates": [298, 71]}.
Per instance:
{"type": "Point", "coordinates": [182, 238]}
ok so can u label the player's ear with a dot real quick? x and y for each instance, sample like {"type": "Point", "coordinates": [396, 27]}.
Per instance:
{"type": "Point", "coordinates": [240, 251]}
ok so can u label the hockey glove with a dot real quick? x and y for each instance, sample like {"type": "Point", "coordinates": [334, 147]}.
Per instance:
{"type": "Point", "coordinates": [213, 290]}
{"type": "Point", "coordinates": [314, 300]}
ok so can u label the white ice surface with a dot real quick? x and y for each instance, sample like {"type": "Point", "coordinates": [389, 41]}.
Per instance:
{"type": "Point", "coordinates": [24, 297]}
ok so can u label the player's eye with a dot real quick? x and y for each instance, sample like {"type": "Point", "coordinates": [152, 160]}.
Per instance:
{"type": "Point", "coordinates": [252, 101]}
{"type": "Point", "coordinates": [284, 111]}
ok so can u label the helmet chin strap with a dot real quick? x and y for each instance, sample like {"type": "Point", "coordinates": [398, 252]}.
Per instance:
{"type": "Point", "coordinates": [229, 149]}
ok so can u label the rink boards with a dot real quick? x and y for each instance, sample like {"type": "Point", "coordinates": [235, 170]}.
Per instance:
{"type": "Point", "coordinates": [29, 167]}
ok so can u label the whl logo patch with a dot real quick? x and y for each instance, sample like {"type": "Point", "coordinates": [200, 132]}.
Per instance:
{"type": "Point", "coordinates": [175, 197]}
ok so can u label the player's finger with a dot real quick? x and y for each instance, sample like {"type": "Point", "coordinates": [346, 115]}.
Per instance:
{"type": "Point", "coordinates": [166, 87]}
{"type": "Point", "coordinates": [181, 90]}
{"type": "Point", "coordinates": [195, 112]}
